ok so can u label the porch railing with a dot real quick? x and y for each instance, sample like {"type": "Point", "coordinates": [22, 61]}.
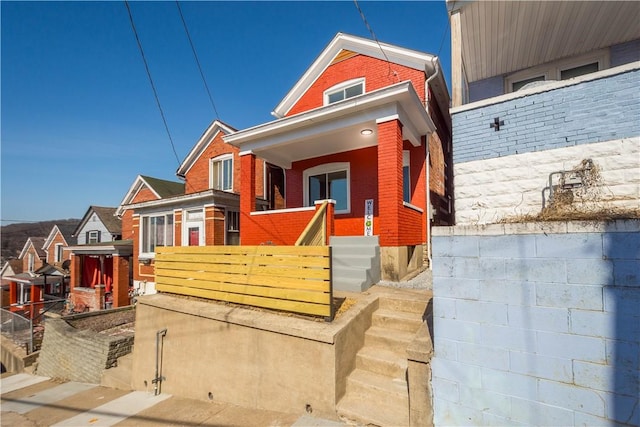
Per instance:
{"type": "Point", "coordinates": [315, 233]}
{"type": "Point", "coordinates": [289, 278]}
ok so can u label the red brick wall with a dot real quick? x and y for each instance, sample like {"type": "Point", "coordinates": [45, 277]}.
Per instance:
{"type": "Point", "coordinates": [37, 262]}
{"type": "Point", "coordinates": [282, 228]}
{"type": "Point", "coordinates": [217, 222]}
{"type": "Point", "coordinates": [51, 250]}
{"type": "Point", "coordinates": [377, 72]}
{"type": "Point", "coordinates": [389, 182]}
{"type": "Point", "coordinates": [197, 178]}
{"type": "Point", "coordinates": [121, 281]}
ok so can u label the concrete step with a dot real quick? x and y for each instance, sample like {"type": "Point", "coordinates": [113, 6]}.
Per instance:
{"type": "Point", "coordinates": [393, 340]}
{"type": "Point", "coordinates": [400, 320]}
{"type": "Point", "coordinates": [382, 361]}
{"type": "Point", "coordinates": [411, 302]}
{"type": "Point", "coordinates": [354, 240]}
{"type": "Point", "coordinates": [379, 388]}
{"type": "Point", "coordinates": [360, 410]}
{"type": "Point", "coordinates": [351, 260]}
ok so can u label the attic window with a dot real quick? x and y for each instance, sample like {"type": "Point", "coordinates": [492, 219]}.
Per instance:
{"type": "Point", "coordinates": [343, 91]}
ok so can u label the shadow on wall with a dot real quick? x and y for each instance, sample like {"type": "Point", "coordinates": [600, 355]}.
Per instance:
{"type": "Point", "coordinates": [623, 299]}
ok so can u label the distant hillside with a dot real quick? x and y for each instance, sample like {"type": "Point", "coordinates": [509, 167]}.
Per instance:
{"type": "Point", "coordinates": [14, 236]}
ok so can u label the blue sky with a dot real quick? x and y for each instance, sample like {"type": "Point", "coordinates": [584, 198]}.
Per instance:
{"type": "Point", "coordinates": [79, 120]}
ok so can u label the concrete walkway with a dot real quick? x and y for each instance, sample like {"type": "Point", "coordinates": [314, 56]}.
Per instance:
{"type": "Point", "coordinates": [32, 401]}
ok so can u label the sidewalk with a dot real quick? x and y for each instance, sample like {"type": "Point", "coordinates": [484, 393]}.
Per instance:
{"type": "Point", "coordinates": [29, 400]}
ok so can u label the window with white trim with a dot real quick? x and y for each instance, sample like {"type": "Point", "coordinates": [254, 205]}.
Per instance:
{"type": "Point", "coordinates": [330, 181]}
{"type": "Point", "coordinates": [58, 251]}
{"type": "Point", "coordinates": [406, 176]}
{"type": "Point", "coordinates": [344, 90]}
{"type": "Point", "coordinates": [221, 172]}
{"type": "Point", "coordinates": [24, 295]}
{"type": "Point", "coordinates": [31, 260]}
{"type": "Point", "coordinates": [156, 230]}
{"type": "Point", "coordinates": [93, 236]}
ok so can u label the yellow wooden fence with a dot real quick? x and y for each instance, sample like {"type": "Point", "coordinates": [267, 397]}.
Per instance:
{"type": "Point", "coordinates": [289, 278]}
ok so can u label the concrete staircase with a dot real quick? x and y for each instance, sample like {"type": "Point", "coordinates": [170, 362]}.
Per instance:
{"type": "Point", "coordinates": [119, 377]}
{"type": "Point", "coordinates": [377, 390]}
{"type": "Point", "coordinates": [355, 262]}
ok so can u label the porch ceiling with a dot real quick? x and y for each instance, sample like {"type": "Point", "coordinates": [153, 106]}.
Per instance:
{"type": "Point", "coordinates": [335, 128]}
{"type": "Point", "coordinates": [500, 37]}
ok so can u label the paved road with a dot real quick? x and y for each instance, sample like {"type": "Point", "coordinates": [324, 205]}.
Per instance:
{"type": "Point", "coordinates": [31, 401]}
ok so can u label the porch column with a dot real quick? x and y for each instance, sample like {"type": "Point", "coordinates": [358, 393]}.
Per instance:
{"type": "Point", "coordinates": [75, 271]}
{"type": "Point", "coordinates": [247, 192]}
{"type": "Point", "coordinates": [13, 292]}
{"type": "Point", "coordinates": [120, 291]}
{"type": "Point", "coordinates": [389, 181]}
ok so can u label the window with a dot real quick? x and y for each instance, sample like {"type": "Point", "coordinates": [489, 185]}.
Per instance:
{"type": "Point", "coordinates": [330, 181]}
{"type": "Point", "coordinates": [58, 252]}
{"type": "Point", "coordinates": [24, 296]}
{"type": "Point", "coordinates": [233, 227]}
{"type": "Point", "coordinates": [559, 70]}
{"type": "Point", "coordinates": [93, 236]}
{"type": "Point", "coordinates": [157, 230]}
{"type": "Point", "coordinates": [406, 176]}
{"type": "Point", "coordinates": [31, 263]}
{"type": "Point", "coordinates": [222, 173]}
{"type": "Point", "coordinates": [344, 90]}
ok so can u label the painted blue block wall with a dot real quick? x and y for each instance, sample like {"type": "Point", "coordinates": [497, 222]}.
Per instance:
{"type": "Point", "coordinates": [537, 327]}
{"type": "Point", "coordinates": [598, 110]}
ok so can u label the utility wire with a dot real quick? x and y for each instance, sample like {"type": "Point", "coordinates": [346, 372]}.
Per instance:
{"type": "Point", "coordinates": [366, 23]}
{"type": "Point", "coordinates": [446, 29]}
{"type": "Point", "coordinates": [155, 92]}
{"type": "Point", "coordinates": [195, 55]}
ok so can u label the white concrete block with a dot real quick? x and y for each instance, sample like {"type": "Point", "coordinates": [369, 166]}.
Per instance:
{"type": "Point", "coordinates": [535, 365]}
{"type": "Point", "coordinates": [569, 346]}
{"type": "Point", "coordinates": [453, 414]}
{"type": "Point", "coordinates": [592, 323]}
{"type": "Point", "coordinates": [482, 312]}
{"type": "Point", "coordinates": [496, 421]}
{"type": "Point", "coordinates": [539, 318]}
{"type": "Point", "coordinates": [623, 409]}
{"type": "Point", "coordinates": [509, 292]}
{"type": "Point", "coordinates": [537, 270]}
{"type": "Point", "coordinates": [449, 287]}
{"type": "Point", "coordinates": [456, 372]}
{"type": "Point", "coordinates": [444, 307]}
{"type": "Point", "coordinates": [509, 338]}
{"type": "Point", "coordinates": [445, 348]}
{"type": "Point", "coordinates": [509, 383]}
{"type": "Point", "coordinates": [457, 330]}
{"type": "Point", "coordinates": [569, 296]}
{"type": "Point", "coordinates": [539, 414]}
{"type": "Point", "coordinates": [571, 397]}
{"type": "Point", "coordinates": [617, 380]}
{"type": "Point", "coordinates": [445, 389]}
{"type": "Point", "coordinates": [590, 272]}
{"type": "Point", "coordinates": [625, 354]}
{"type": "Point", "coordinates": [587, 420]}
{"type": "Point", "coordinates": [486, 401]}
{"type": "Point", "coordinates": [491, 357]}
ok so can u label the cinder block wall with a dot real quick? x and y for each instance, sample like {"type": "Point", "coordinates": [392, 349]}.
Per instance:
{"type": "Point", "coordinates": [537, 324]}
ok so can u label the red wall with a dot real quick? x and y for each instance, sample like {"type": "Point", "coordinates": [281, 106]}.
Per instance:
{"type": "Point", "coordinates": [378, 74]}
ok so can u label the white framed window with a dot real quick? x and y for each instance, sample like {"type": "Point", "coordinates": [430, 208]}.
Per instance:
{"type": "Point", "coordinates": [24, 295]}
{"type": "Point", "coordinates": [156, 230]}
{"type": "Point", "coordinates": [344, 90]}
{"type": "Point", "coordinates": [93, 236]}
{"type": "Point", "coordinates": [58, 252]}
{"type": "Point", "coordinates": [406, 176]}
{"type": "Point", "coordinates": [329, 181]}
{"type": "Point", "coordinates": [221, 172]}
{"type": "Point", "coordinates": [559, 70]}
{"type": "Point", "coordinates": [232, 221]}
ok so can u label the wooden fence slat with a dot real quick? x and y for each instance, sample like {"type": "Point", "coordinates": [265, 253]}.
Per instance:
{"type": "Point", "coordinates": [256, 301]}
{"type": "Point", "coordinates": [247, 279]}
{"type": "Point", "coordinates": [245, 250]}
{"type": "Point", "coordinates": [262, 291]}
{"type": "Point", "coordinates": [279, 260]}
{"type": "Point", "coordinates": [260, 270]}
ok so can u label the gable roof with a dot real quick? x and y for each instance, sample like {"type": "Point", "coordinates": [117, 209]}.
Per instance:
{"type": "Point", "coordinates": [11, 267]}
{"type": "Point", "coordinates": [358, 45]}
{"type": "Point", "coordinates": [161, 188]}
{"type": "Point", "coordinates": [37, 243]}
{"type": "Point", "coordinates": [206, 138]}
{"type": "Point", "coordinates": [106, 215]}
{"type": "Point", "coordinates": [66, 230]}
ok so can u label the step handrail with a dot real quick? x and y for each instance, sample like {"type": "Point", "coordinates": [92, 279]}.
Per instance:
{"type": "Point", "coordinates": [315, 233]}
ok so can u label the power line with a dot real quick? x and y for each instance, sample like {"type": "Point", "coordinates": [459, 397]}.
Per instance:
{"type": "Point", "coordinates": [444, 34]}
{"type": "Point", "coordinates": [366, 23]}
{"type": "Point", "coordinates": [155, 92]}
{"type": "Point", "coordinates": [195, 55]}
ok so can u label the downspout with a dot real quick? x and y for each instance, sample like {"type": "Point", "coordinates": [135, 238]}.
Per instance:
{"type": "Point", "coordinates": [436, 71]}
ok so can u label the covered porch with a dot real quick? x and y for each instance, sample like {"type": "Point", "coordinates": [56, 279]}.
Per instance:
{"type": "Point", "coordinates": [366, 154]}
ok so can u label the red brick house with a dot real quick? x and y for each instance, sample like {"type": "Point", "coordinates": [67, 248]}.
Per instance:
{"type": "Point", "coordinates": [201, 210]}
{"type": "Point", "coordinates": [33, 255]}
{"type": "Point", "coordinates": [367, 126]}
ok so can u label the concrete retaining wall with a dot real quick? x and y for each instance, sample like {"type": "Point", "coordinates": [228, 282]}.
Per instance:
{"type": "Point", "coordinates": [537, 324]}
{"type": "Point", "coordinates": [252, 358]}
{"type": "Point", "coordinates": [80, 354]}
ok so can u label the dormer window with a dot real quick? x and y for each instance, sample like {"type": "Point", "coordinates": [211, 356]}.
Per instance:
{"type": "Point", "coordinates": [343, 91]}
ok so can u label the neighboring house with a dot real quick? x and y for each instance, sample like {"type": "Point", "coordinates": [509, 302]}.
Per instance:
{"type": "Point", "coordinates": [57, 242]}
{"type": "Point", "coordinates": [99, 224]}
{"type": "Point", "coordinates": [367, 126]}
{"type": "Point", "coordinates": [550, 88]}
{"type": "Point", "coordinates": [201, 210]}
{"type": "Point", "coordinates": [100, 262]}
{"type": "Point", "coordinates": [536, 322]}
{"type": "Point", "coordinates": [33, 255]}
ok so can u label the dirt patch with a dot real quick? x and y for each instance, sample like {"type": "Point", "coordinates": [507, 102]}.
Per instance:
{"type": "Point", "coordinates": [103, 321]}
